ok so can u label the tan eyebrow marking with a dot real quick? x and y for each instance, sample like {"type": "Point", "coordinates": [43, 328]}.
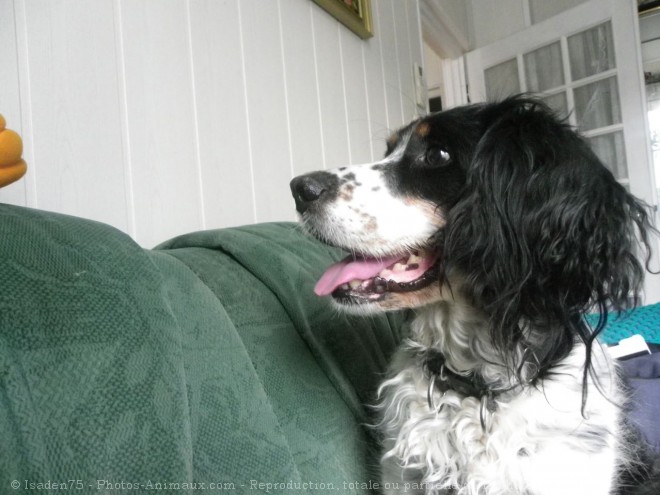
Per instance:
{"type": "Point", "coordinates": [391, 141]}
{"type": "Point", "coordinates": [423, 129]}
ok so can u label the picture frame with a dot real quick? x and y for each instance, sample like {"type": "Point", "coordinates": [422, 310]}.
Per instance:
{"type": "Point", "coordinates": [354, 14]}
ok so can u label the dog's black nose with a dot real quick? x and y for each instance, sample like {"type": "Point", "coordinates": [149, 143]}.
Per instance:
{"type": "Point", "coordinates": [309, 188]}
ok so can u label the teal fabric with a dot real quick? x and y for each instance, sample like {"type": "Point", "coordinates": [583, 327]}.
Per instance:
{"type": "Point", "coordinates": [644, 320]}
{"type": "Point", "coordinates": [207, 360]}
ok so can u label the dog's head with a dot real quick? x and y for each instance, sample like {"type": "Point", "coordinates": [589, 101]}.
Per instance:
{"type": "Point", "coordinates": [500, 201]}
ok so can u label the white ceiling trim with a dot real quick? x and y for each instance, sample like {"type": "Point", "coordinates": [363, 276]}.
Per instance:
{"type": "Point", "coordinates": [440, 32]}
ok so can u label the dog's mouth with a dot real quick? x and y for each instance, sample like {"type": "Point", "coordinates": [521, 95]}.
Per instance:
{"type": "Point", "coordinates": [361, 278]}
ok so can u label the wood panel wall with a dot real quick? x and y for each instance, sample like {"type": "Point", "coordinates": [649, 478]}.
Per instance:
{"type": "Point", "coordinates": [162, 117]}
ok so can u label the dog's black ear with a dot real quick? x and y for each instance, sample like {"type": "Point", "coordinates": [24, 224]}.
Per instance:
{"type": "Point", "coordinates": [544, 232]}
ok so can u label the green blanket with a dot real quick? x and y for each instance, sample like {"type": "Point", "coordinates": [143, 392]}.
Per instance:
{"type": "Point", "coordinates": [208, 360]}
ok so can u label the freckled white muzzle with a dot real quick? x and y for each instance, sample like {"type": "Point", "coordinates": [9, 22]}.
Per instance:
{"type": "Point", "coordinates": [356, 209]}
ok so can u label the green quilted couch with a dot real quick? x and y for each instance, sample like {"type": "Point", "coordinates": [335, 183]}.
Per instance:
{"type": "Point", "coordinates": [204, 364]}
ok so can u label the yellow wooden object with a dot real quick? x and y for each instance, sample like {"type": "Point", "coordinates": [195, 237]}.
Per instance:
{"type": "Point", "coordinates": [12, 167]}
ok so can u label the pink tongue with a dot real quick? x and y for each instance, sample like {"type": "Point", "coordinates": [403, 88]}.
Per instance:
{"type": "Point", "coordinates": [349, 269]}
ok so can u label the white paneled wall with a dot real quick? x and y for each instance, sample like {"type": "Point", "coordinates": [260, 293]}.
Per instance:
{"type": "Point", "coordinates": [162, 117]}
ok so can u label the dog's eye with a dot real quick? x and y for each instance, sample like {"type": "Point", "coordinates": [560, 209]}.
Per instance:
{"type": "Point", "coordinates": [437, 157]}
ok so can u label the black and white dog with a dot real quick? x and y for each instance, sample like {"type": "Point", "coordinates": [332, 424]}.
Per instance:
{"type": "Point", "coordinates": [498, 223]}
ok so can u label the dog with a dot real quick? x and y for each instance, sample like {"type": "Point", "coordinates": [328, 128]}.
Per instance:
{"type": "Point", "coordinates": [501, 228]}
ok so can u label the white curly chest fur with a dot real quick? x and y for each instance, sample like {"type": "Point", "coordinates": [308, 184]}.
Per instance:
{"type": "Point", "coordinates": [538, 443]}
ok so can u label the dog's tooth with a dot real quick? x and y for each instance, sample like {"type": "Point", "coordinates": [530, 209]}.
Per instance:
{"type": "Point", "coordinates": [399, 267]}
{"type": "Point", "coordinates": [354, 284]}
{"type": "Point", "coordinates": [344, 286]}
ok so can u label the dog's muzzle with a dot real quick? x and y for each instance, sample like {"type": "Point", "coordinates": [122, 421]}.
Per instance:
{"type": "Point", "coordinates": [313, 189]}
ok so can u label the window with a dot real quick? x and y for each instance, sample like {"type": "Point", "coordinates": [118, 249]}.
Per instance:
{"type": "Point", "coordinates": [577, 77]}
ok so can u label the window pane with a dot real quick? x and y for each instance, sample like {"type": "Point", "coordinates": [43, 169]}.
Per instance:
{"type": "Point", "coordinates": [543, 68]}
{"type": "Point", "coordinates": [502, 80]}
{"type": "Point", "coordinates": [557, 103]}
{"type": "Point", "coordinates": [591, 52]}
{"type": "Point", "coordinates": [597, 104]}
{"type": "Point", "coordinates": [611, 150]}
